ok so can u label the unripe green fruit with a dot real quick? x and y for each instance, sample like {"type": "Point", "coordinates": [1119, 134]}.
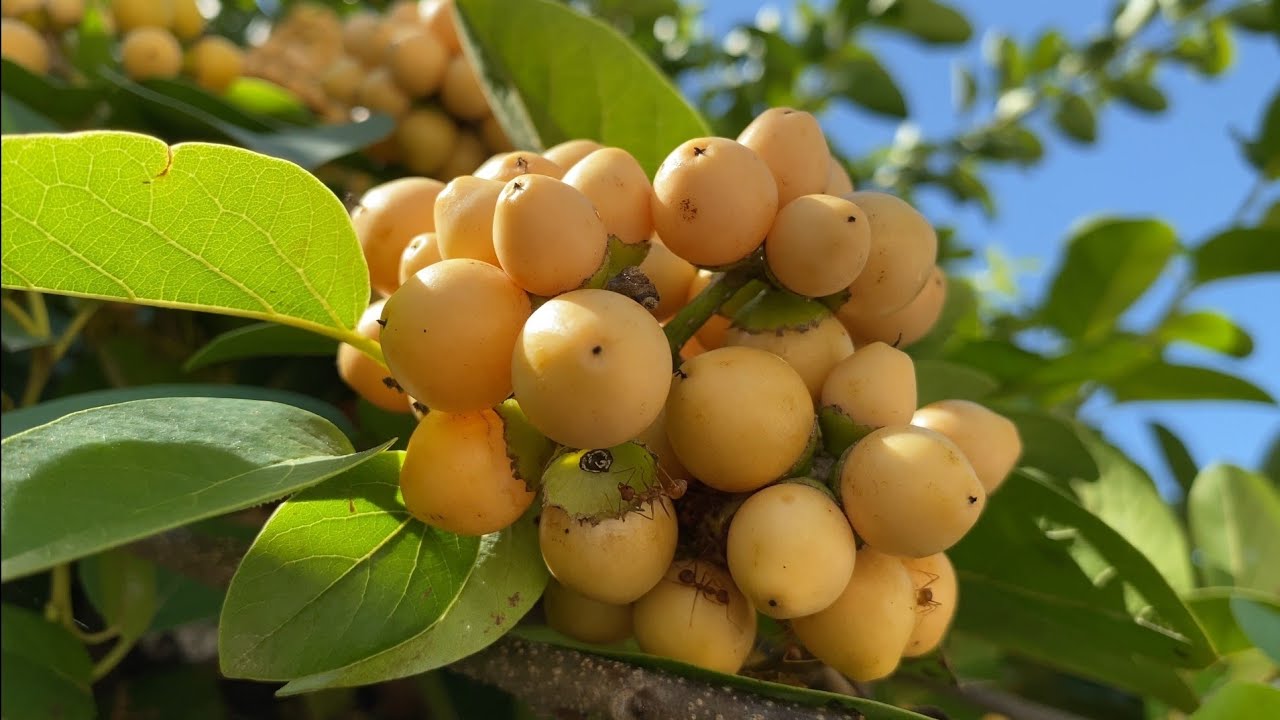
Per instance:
{"type": "Point", "coordinates": [464, 218]}
{"type": "Point", "coordinates": [671, 275]}
{"type": "Point", "coordinates": [989, 440]}
{"type": "Point", "coordinates": [188, 23]}
{"type": "Point", "coordinates": [803, 332]}
{"type": "Point", "coordinates": [582, 618]}
{"type": "Point", "coordinates": [936, 595]}
{"type": "Point", "coordinates": [460, 91]}
{"type": "Point", "coordinates": [791, 143]}
{"type": "Point", "coordinates": [568, 153]}
{"type": "Point", "coordinates": [904, 248]}
{"type": "Point", "coordinates": [909, 491]}
{"type": "Point", "coordinates": [422, 251]}
{"type": "Point", "coordinates": [418, 62]}
{"type": "Point", "coordinates": [134, 14]}
{"type": "Point", "coordinates": [468, 153]}
{"type": "Point", "coordinates": [791, 550]}
{"type": "Point", "coordinates": [426, 137]}
{"type": "Point", "coordinates": [591, 368]}
{"type": "Point", "coordinates": [449, 333]}
{"type": "Point", "coordinates": [615, 560]}
{"type": "Point", "coordinates": [714, 200]}
{"type": "Point", "coordinates": [863, 633]}
{"type": "Point", "coordinates": [472, 473]}
{"type": "Point", "coordinates": [818, 245]}
{"type": "Point", "coordinates": [899, 328]}
{"type": "Point", "coordinates": [698, 616]}
{"type": "Point", "coordinates": [388, 216]}
{"type": "Point", "coordinates": [150, 52]}
{"type": "Point", "coordinates": [739, 418]}
{"type": "Point", "coordinates": [838, 180]}
{"type": "Point", "coordinates": [618, 187]}
{"type": "Point", "coordinates": [511, 165]}
{"type": "Point", "coordinates": [215, 62]}
{"type": "Point", "coordinates": [379, 93]}
{"type": "Point", "coordinates": [21, 44]}
{"type": "Point", "coordinates": [872, 388]}
{"type": "Point", "coordinates": [547, 236]}
{"type": "Point", "coordinates": [363, 374]}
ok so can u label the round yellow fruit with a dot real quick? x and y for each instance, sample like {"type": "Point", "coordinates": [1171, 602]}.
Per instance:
{"type": "Point", "coordinates": [812, 351]}
{"type": "Point", "coordinates": [581, 618]}
{"type": "Point", "coordinates": [936, 595]}
{"type": "Point", "coordinates": [460, 91]}
{"type": "Point", "coordinates": [418, 61]}
{"type": "Point", "coordinates": [511, 165]}
{"type": "Point", "coordinates": [188, 23]}
{"type": "Point", "coordinates": [818, 245]}
{"type": "Point", "coordinates": [21, 44]}
{"type": "Point", "coordinates": [215, 62]}
{"type": "Point", "coordinates": [547, 236]}
{"type": "Point", "coordinates": [464, 218]}
{"type": "Point", "coordinates": [133, 14]}
{"type": "Point", "coordinates": [426, 137]}
{"type": "Point", "coordinates": [989, 440]}
{"type": "Point", "coordinates": [873, 387]}
{"type": "Point", "coordinates": [151, 52]}
{"type": "Point", "coordinates": [568, 153]}
{"type": "Point", "coordinates": [422, 251]}
{"type": "Point", "coordinates": [387, 217]}
{"type": "Point", "coordinates": [900, 328]}
{"type": "Point", "coordinates": [618, 187]}
{"type": "Point", "coordinates": [614, 561]}
{"type": "Point", "coordinates": [363, 374]}
{"type": "Point", "coordinates": [698, 616]}
{"type": "Point", "coordinates": [671, 275]}
{"type": "Point", "coordinates": [791, 143]}
{"type": "Point", "coordinates": [904, 248]}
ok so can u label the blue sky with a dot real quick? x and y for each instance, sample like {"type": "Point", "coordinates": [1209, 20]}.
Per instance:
{"type": "Point", "coordinates": [1182, 166]}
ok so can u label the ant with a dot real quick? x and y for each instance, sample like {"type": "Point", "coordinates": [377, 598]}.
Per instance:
{"type": "Point", "coordinates": [705, 587]}
{"type": "Point", "coordinates": [924, 595]}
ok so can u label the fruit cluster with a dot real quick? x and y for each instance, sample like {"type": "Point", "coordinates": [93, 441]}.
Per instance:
{"type": "Point", "coordinates": [407, 64]}
{"type": "Point", "coordinates": [765, 466]}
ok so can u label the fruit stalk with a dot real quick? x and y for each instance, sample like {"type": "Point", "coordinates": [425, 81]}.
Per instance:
{"type": "Point", "coordinates": [685, 323]}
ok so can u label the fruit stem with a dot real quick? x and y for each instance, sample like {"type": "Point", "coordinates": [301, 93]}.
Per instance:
{"type": "Point", "coordinates": [685, 323]}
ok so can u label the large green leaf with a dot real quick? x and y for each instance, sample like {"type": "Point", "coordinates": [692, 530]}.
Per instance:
{"type": "Point", "coordinates": [553, 74]}
{"type": "Point", "coordinates": [1208, 329]}
{"type": "Point", "coordinates": [122, 216]}
{"type": "Point", "coordinates": [1260, 620]}
{"type": "Point", "coordinates": [1176, 456]}
{"type": "Point", "coordinates": [928, 20]}
{"type": "Point", "coordinates": [126, 592]}
{"type": "Point", "coordinates": [100, 478]}
{"type": "Point", "coordinates": [942, 380]}
{"type": "Point", "coordinates": [1109, 264]}
{"type": "Point", "coordinates": [45, 672]}
{"type": "Point", "coordinates": [340, 572]}
{"type": "Point", "coordinates": [1052, 444]}
{"type": "Point", "coordinates": [505, 582]}
{"type": "Point", "coordinates": [1235, 522]}
{"type": "Point", "coordinates": [1163, 381]}
{"type": "Point", "coordinates": [857, 75]}
{"type": "Point", "coordinates": [1024, 591]}
{"type": "Point", "coordinates": [260, 340]}
{"type": "Point", "coordinates": [64, 103]}
{"type": "Point", "coordinates": [1241, 701]}
{"type": "Point", "coordinates": [1240, 251]}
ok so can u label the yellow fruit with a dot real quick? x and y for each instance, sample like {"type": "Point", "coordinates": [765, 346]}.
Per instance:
{"type": "Point", "coordinates": [655, 439]}
{"type": "Point", "coordinates": [379, 92]}
{"type": "Point", "coordinates": [19, 8]}
{"type": "Point", "coordinates": [618, 187]}
{"type": "Point", "coordinates": [363, 374]}
{"type": "Point", "coordinates": [582, 618]}
{"type": "Point", "coordinates": [188, 23]}
{"type": "Point", "coordinates": [511, 165]}
{"type": "Point", "coordinates": [568, 153]}
{"type": "Point", "coordinates": [671, 275]}
{"type": "Point", "coordinates": [547, 235]}
{"type": "Point", "coordinates": [936, 595]}
{"type": "Point", "coordinates": [791, 143]}
{"type": "Point", "coordinates": [215, 62]}
{"type": "Point", "coordinates": [904, 248]}
{"type": "Point", "coordinates": [426, 137]}
{"type": "Point", "coordinates": [468, 153]}
{"type": "Point", "coordinates": [838, 180]}
{"type": "Point", "coordinates": [812, 350]}
{"type": "Point", "coordinates": [133, 14]}
{"type": "Point", "coordinates": [818, 245]}
{"type": "Point", "coordinates": [495, 138]}
{"type": "Point", "coordinates": [21, 44]}
{"type": "Point", "coordinates": [64, 14]}
{"type": "Point", "coordinates": [151, 52]}
{"type": "Point", "coordinates": [418, 61]}
{"type": "Point", "coordinates": [387, 217]}
{"type": "Point", "coordinates": [614, 561]}
{"type": "Point", "coordinates": [698, 616]}
{"type": "Point", "coordinates": [989, 440]}
{"type": "Point", "coordinates": [437, 16]}
{"type": "Point", "coordinates": [460, 92]}
{"type": "Point", "coordinates": [422, 251]}
{"type": "Point", "coordinates": [873, 387]}
{"type": "Point", "coordinates": [464, 218]}
{"type": "Point", "coordinates": [342, 79]}
{"type": "Point", "coordinates": [900, 328]}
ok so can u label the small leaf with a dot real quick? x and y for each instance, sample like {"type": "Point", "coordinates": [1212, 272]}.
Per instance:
{"type": "Point", "coordinates": [964, 88]}
{"type": "Point", "coordinates": [264, 97]}
{"type": "Point", "coordinates": [1238, 700]}
{"type": "Point", "coordinates": [1234, 517]}
{"type": "Point", "coordinates": [260, 340]}
{"type": "Point", "coordinates": [1141, 94]}
{"type": "Point", "coordinates": [529, 56]}
{"type": "Point", "coordinates": [1075, 118]}
{"type": "Point", "coordinates": [1109, 264]}
{"type": "Point", "coordinates": [942, 380]}
{"type": "Point", "coordinates": [1176, 456]}
{"type": "Point", "coordinates": [858, 76]}
{"type": "Point", "coordinates": [1162, 381]}
{"type": "Point", "coordinates": [1008, 60]}
{"type": "Point", "coordinates": [1236, 252]}
{"type": "Point", "coordinates": [1011, 142]}
{"type": "Point", "coordinates": [928, 20]}
{"type": "Point", "coordinates": [100, 478]}
{"type": "Point", "coordinates": [1264, 151]}
{"type": "Point", "coordinates": [339, 573]}
{"type": "Point", "coordinates": [45, 670]}
{"type": "Point", "coordinates": [1208, 329]}
{"type": "Point", "coordinates": [126, 592]}
{"type": "Point", "coordinates": [1254, 16]}
{"type": "Point", "coordinates": [121, 216]}
{"type": "Point", "coordinates": [1259, 619]}
{"type": "Point", "coordinates": [1047, 51]}
{"type": "Point", "coordinates": [506, 581]}
{"type": "Point", "coordinates": [1220, 48]}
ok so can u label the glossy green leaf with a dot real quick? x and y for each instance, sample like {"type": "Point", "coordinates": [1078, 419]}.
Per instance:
{"type": "Point", "coordinates": [942, 380]}
{"type": "Point", "coordinates": [1052, 444]}
{"type": "Point", "coordinates": [45, 670]}
{"type": "Point", "coordinates": [1236, 252]}
{"type": "Point", "coordinates": [1212, 607]}
{"type": "Point", "coordinates": [260, 340]}
{"type": "Point", "coordinates": [1220, 50]}
{"type": "Point", "coordinates": [1010, 142]}
{"type": "Point", "coordinates": [859, 77]}
{"type": "Point", "coordinates": [1109, 264]}
{"type": "Point", "coordinates": [100, 478]}
{"type": "Point", "coordinates": [1076, 119]}
{"type": "Point", "coordinates": [1209, 329]}
{"type": "Point", "coordinates": [928, 20]}
{"type": "Point", "coordinates": [1162, 381]}
{"type": "Point", "coordinates": [178, 599]}
{"type": "Point", "coordinates": [1141, 94]}
{"type": "Point", "coordinates": [121, 216]}
{"type": "Point", "coordinates": [340, 572]}
{"type": "Point", "coordinates": [1234, 517]}
{"type": "Point", "coordinates": [1114, 357]}
{"type": "Point", "coordinates": [505, 582]}
{"type": "Point", "coordinates": [1176, 456]}
{"type": "Point", "coordinates": [1008, 60]}
{"type": "Point", "coordinates": [183, 92]}
{"type": "Point", "coordinates": [560, 97]}
{"type": "Point", "coordinates": [870, 709]}
{"type": "Point", "coordinates": [1241, 701]}
{"type": "Point", "coordinates": [1259, 619]}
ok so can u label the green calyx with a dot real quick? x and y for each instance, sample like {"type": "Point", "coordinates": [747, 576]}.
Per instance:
{"type": "Point", "coordinates": [804, 463]}
{"type": "Point", "coordinates": [839, 431]}
{"type": "Point", "coordinates": [527, 449]}
{"type": "Point", "coordinates": [602, 483]}
{"type": "Point", "coordinates": [778, 311]}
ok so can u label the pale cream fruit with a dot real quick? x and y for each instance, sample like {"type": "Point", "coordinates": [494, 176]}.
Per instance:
{"type": "Point", "coordinates": [418, 62]}
{"type": "Point", "coordinates": [591, 369]}
{"type": "Point", "coordinates": [358, 33]}
{"type": "Point", "coordinates": [936, 595]}
{"type": "Point", "coordinates": [655, 439]}
{"type": "Point", "coordinates": [464, 218]}
{"type": "Point", "coordinates": [342, 79]}
{"type": "Point", "coordinates": [698, 616]}
{"type": "Point", "coordinates": [873, 387]}
{"type": "Point", "coordinates": [904, 248]}
{"type": "Point", "coordinates": [363, 374]}
{"type": "Point", "coordinates": [215, 62]}
{"type": "Point", "coordinates": [134, 14]}
{"type": "Point", "coordinates": [714, 200]}
{"type": "Point", "coordinates": [188, 23]}
{"type": "Point", "coordinates": [64, 14]}
{"type": "Point", "coordinates": [909, 491]}
{"type": "Point", "coordinates": [671, 274]}
{"type": "Point", "coordinates": [614, 561]}
{"type": "Point", "coordinates": [422, 251]}
{"type": "Point", "coordinates": [547, 235]}
{"type": "Point", "coordinates": [426, 137]}
{"type": "Point", "coordinates": [379, 92]}
{"type": "Point", "coordinates": [812, 351]}
{"type": "Point", "coordinates": [568, 153]}
{"type": "Point", "coordinates": [457, 475]}
{"type": "Point", "coordinates": [791, 550]}
{"type": "Point", "coordinates": [900, 328]}
{"type": "Point", "coordinates": [581, 618]}
{"type": "Point", "coordinates": [864, 632]}
{"type": "Point", "coordinates": [150, 52]}
{"type": "Point", "coordinates": [495, 138]}
{"type": "Point", "coordinates": [618, 187]}
{"type": "Point", "coordinates": [838, 180]}
{"type": "Point", "coordinates": [468, 153]}
{"type": "Point", "coordinates": [460, 91]}
{"type": "Point", "coordinates": [989, 440]}
{"type": "Point", "coordinates": [387, 217]}
{"type": "Point", "coordinates": [449, 333]}
{"type": "Point", "coordinates": [739, 418]}
{"type": "Point", "coordinates": [511, 165]}
{"type": "Point", "coordinates": [818, 245]}
{"type": "Point", "coordinates": [791, 143]}
{"type": "Point", "coordinates": [437, 16]}
{"type": "Point", "coordinates": [21, 44]}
